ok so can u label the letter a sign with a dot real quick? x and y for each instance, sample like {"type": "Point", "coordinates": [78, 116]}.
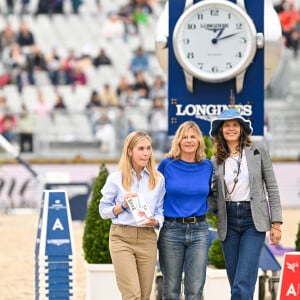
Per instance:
{"type": "Point", "coordinates": [289, 286]}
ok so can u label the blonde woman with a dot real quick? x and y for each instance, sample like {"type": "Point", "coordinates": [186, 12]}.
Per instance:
{"type": "Point", "coordinates": [133, 247]}
{"type": "Point", "coordinates": [184, 239]}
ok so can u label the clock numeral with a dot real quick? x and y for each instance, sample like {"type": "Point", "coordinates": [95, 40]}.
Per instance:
{"type": "Point", "coordinates": [243, 40]}
{"type": "Point", "coordinates": [239, 54]}
{"type": "Point", "coordinates": [229, 16]}
{"type": "Point", "coordinates": [186, 41]}
{"type": "Point", "coordinates": [190, 55]}
{"type": "Point", "coordinates": [239, 26]}
{"type": "Point", "coordinates": [215, 69]}
{"type": "Point", "coordinates": [200, 16]}
{"type": "Point", "coordinates": [228, 65]}
{"type": "Point", "coordinates": [200, 65]}
{"type": "Point", "coordinates": [191, 26]}
{"type": "Point", "coordinates": [214, 12]}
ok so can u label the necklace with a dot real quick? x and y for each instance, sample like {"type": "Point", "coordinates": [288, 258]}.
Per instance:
{"type": "Point", "coordinates": [236, 172]}
{"type": "Point", "coordinates": [235, 161]}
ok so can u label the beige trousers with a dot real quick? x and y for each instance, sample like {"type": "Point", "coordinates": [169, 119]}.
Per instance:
{"type": "Point", "coordinates": [133, 251]}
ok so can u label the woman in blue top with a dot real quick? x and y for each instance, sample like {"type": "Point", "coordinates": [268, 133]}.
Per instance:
{"type": "Point", "coordinates": [133, 247]}
{"type": "Point", "coordinates": [184, 239]}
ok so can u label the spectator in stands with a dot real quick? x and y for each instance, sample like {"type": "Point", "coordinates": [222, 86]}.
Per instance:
{"type": "Point", "coordinates": [43, 7]}
{"type": "Point", "coordinates": [68, 65]}
{"type": "Point", "coordinates": [24, 6]}
{"type": "Point", "coordinates": [58, 6]}
{"type": "Point", "coordinates": [24, 35]}
{"type": "Point", "coordinates": [101, 59]}
{"type": "Point", "coordinates": [122, 85]}
{"type": "Point", "coordinates": [8, 123]}
{"type": "Point", "coordinates": [36, 63]}
{"type": "Point", "coordinates": [93, 109]}
{"type": "Point", "coordinates": [95, 101]}
{"type": "Point", "coordinates": [289, 19]}
{"type": "Point", "coordinates": [49, 7]}
{"type": "Point", "coordinates": [140, 16]}
{"type": "Point", "coordinates": [86, 56]}
{"type": "Point", "coordinates": [14, 60]}
{"type": "Point", "coordinates": [146, 5]}
{"type": "Point", "coordinates": [41, 107]}
{"type": "Point", "coordinates": [85, 61]}
{"type": "Point", "coordinates": [24, 129]}
{"type": "Point", "coordinates": [139, 61]}
{"type": "Point", "coordinates": [3, 104]}
{"type": "Point", "coordinates": [7, 37]}
{"type": "Point", "coordinates": [59, 105]}
{"type": "Point", "coordinates": [4, 79]}
{"type": "Point", "coordinates": [54, 67]}
{"type": "Point", "coordinates": [24, 77]}
{"type": "Point", "coordinates": [106, 134]}
{"type": "Point", "coordinates": [113, 27]}
{"type": "Point", "coordinates": [279, 6]}
{"type": "Point", "coordinates": [108, 96]}
{"type": "Point", "coordinates": [126, 15]}
{"type": "Point", "coordinates": [36, 60]}
{"type": "Point", "coordinates": [75, 5]}
{"type": "Point", "coordinates": [128, 97]}
{"type": "Point", "coordinates": [158, 121]}
{"type": "Point", "coordinates": [78, 76]}
{"type": "Point", "coordinates": [158, 88]}
{"type": "Point", "coordinates": [10, 5]}
{"type": "Point", "coordinates": [141, 86]}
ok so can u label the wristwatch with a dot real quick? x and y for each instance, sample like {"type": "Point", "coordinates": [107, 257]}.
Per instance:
{"type": "Point", "coordinates": [216, 40]}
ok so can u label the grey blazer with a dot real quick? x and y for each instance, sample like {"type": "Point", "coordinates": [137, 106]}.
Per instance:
{"type": "Point", "coordinates": [264, 194]}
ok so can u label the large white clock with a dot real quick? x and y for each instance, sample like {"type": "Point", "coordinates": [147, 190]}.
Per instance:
{"type": "Point", "coordinates": [215, 41]}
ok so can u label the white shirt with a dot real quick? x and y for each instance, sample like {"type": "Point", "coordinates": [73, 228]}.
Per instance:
{"type": "Point", "coordinates": [113, 193]}
{"type": "Point", "coordinates": [241, 191]}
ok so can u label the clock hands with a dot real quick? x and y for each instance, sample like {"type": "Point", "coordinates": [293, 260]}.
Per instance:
{"type": "Point", "coordinates": [218, 38]}
{"type": "Point", "coordinates": [220, 32]}
{"type": "Point", "coordinates": [215, 40]}
{"type": "Point", "coordinates": [228, 36]}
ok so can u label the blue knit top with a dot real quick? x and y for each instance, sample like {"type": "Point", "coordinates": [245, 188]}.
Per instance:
{"type": "Point", "coordinates": [187, 187]}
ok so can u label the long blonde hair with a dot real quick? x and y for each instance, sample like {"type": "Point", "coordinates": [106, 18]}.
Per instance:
{"type": "Point", "coordinates": [125, 163]}
{"type": "Point", "coordinates": [175, 150]}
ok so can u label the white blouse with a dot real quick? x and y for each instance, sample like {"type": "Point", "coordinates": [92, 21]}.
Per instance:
{"type": "Point", "coordinates": [241, 190]}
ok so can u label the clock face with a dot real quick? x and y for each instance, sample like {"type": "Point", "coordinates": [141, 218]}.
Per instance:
{"type": "Point", "coordinates": [214, 40]}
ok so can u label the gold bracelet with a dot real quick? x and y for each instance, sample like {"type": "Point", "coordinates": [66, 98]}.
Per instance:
{"type": "Point", "coordinates": [276, 229]}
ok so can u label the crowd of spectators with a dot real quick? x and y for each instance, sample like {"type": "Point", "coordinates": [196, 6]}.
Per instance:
{"type": "Point", "coordinates": [289, 16]}
{"type": "Point", "coordinates": [23, 63]}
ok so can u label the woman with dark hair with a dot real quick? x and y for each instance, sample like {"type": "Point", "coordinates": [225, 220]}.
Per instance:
{"type": "Point", "coordinates": [245, 195]}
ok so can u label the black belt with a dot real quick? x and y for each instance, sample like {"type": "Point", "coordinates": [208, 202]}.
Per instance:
{"type": "Point", "coordinates": [189, 220]}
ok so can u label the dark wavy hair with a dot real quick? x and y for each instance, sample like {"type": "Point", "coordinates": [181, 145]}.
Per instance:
{"type": "Point", "coordinates": [221, 147]}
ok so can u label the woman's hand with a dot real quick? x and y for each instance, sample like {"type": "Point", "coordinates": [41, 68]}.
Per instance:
{"type": "Point", "coordinates": [128, 196]}
{"type": "Point", "coordinates": [150, 222]}
{"type": "Point", "coordinates": [275, 234]}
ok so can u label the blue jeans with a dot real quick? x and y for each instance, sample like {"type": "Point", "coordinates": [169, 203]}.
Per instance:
{"type": "Point", "coordinates": [242, 248]}
{"type": "Point", "coordinates": [183, 245]}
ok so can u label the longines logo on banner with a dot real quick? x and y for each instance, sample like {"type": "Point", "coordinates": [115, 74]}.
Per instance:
{"type": "Point", "coordinates": [207, 112]}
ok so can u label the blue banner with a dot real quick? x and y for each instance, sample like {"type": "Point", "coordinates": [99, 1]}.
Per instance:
{"type": "Point", "coordinates": [54, 247]}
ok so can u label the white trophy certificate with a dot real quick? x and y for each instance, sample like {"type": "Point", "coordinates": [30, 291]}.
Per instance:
{"type": "Point", "coordinates": [139, 209]}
